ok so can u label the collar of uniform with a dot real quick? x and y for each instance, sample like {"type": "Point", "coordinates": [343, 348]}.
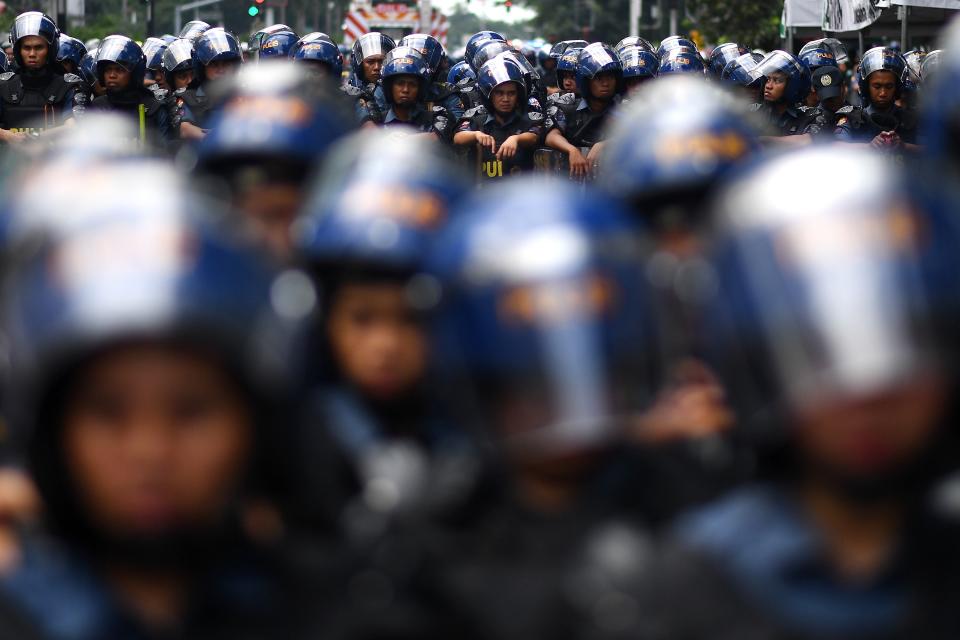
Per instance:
{"type": "Point", "coordinates": [513, 116]}
{"type": "Point", "coordinates": [391, 115]}
{"type": "Point", "coordinates": [582, 104]}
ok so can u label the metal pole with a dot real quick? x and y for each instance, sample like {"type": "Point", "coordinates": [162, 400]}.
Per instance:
{"type": "Point", "coordinates": [426, 16]}
{"type": "Point", "coordinates": [903, 28]}
{"type": "Point", "coordinates": [790, 31]}
{"type": "Point", "coordinates": [860, 41]}
{"type": "Point", "coordinates": [673, 21]}
{"type": "Point", "coordinates": [634, 17]}
{"type": "Point", "coordinates": [150, 22]}
{"type": "Point", "coordinates": [177, 20]}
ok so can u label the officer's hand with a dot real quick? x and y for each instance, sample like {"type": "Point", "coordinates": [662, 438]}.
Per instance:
{"type": "Point", "coordinates": [880, 141]}
{"type": "Point", "coordinates": [593, 156]}
{"type": "Point", "coordinates": [486, 140]}
{"type": "Point", "coordinates": [578, 164]}
{"type": "Point", "coordinates": [893, 140]}
{"type": "Point", "coordinates": [14, 136]}
{"type": "Point", "coordinates": [19, 503]}
{"type": "Point", "coordinates": [508, 149]}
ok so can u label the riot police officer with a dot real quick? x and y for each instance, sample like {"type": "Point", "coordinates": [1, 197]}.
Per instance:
{"type": "Point", "coordinates": [121, 68]}
{"type": "Point", "coordinates": [366, 62]}
{"type": "Point", "coordinates": [320, 58]}
{"type": "Point", "coordinates": [879, 122]}
{"type": "Point", "coordinates": [37, 96]}
{"type": "Point", "coordinates": [217, 54]}
{"type": "Point", "coordinates": [404, 83]}
{"type": "Point", "coordinates": [600, 80]}
{"type": "Point", "coordinates": [783, 85]}
{"type": "Point", "coordinates": [502, 129]}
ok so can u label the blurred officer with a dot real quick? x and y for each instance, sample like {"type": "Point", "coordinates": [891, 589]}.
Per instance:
{"type": "Point", "coordinates": [275, 126]}
{"type": "Point", "coordinates": [148, 417]}
{"type": "Point", "coordinates": [38, 96]}
{"type": "Point", "coordinates": [321, 59]}
{"type": "Point", "coordinates": [121, 67]}
{"type": "Point", "coordinates": [600, 80]}
{"type": "Point", "coordinates": [879, 122]}
{"type": "Point", "coordinates": [179, 67]}
{"type": "Point", "coordinates": [639, 68]}
{"type": "Point", "coordinates": [366, 63]}
{"type": "Point", "coordinates": [551, 79]}
{"type": "Point", "coordinates": [825, 320]}
{"type": "Point", "coordinates": [217, 55]}
{"type": "Point", "coordinates": [439, 92]}
{"type": "Point", "coordinates": [722, 55]}
{"type": "Point", "coordinates": [814, 59]}
{"type": "Point", "coordinates": [567, 73]}
{"type": "Point", "coordinates": [256, 40]}
{"type": "Point", "coordinates": [153, 50]}
{"type": "Point", "coordinates": [502, 129]}
{"type": "Point", "coordinates": [464, 79]}
{"type": "Point", "coordinates": [70, 52]}
{"type": "Point", "coordinates": [785, 83]}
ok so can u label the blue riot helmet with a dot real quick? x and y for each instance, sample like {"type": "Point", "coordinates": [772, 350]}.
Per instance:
{"type": "Point", "coordinates": [557, 51]}
{"type": "Point", "coordinates": [367, 46]}
{"type": "Point", "coordinates": [460, 72]}
{"type": "Point", "coordinates": [433, 52]}
{"type": "Point", "coordinates": [319, 52]}
{"type": "Point", "coordinates": [88, 67]}
{"type": "Point", "coordinates": [35, 23]}
{"type": "Point", "coordinates": [256, 40]}
{"type": "Point", "coordinates": [674, 42]}
{"type": "Point", "coordinates": [833, 45]}
{"type": "Point", "coordinates": [168, 38]}
{"type": "Point", "coordinates": [567, 65]}
{"type": "Point", "coordinates": [531, 77]}
{"type": "Point", "coordinates": [194, 29]}
{"type": "Point", "coordinates": [633, 42]}
{"type": "Point", "coordinates": [541, 334]}
{"type": "Point", "coordinates": [278, 45]}
{"type": "Point", "coordinates": [378, 205]}
{"type": "Point", "coordinates": [817, 57]}
{"type": "Point", "coordinates": [796, 75]}
{"type": "Point", "coordinates": [914, 60]}
{"type": "Point", "coordinates": [822, 298]}
{"type": "Point", "coordinates": [596, 59]}
{"type": "Point", "coordinates": [681, 60]}
{"type": "Point", "coordinates": [722, 55]}
{"type": "Point", "coordinates": [170, 279]}
{"type": "Point", "coordinates": [674, 143]}
{"type": "Point", "coordinates": [153, 49]}
{"type": "Point", "coordinates": [879, 59]}
{"type": "Point", "coordinates": [125, 52]}
{"type": "Point", "coordinates": [543, 54]}
{"type": "Point", "coordinates": [70, 51]}
{"type": "Point", "coordinates": [179, 57]}
{"type": "Point", "coordinates": [738, 71]}
{"type": "Point", "coordinates": [488, 51]}
{"type": "Point", "coordinates": [639, 65]}
{"type": "Point", "coordinates": [476, 40]}
{"type": "Point", "coordinates": [403, 61]}
{"type": "Point", "coordinates": [496, 72]}
{"type": "Point", "coordinates": [931, 62]}
{"type": "Point", "coordinates": [217, 44]}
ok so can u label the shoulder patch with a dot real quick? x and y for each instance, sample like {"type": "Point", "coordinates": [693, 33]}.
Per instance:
{"type": "Point", "coordinates": [846, 110]}
{"type": "Point", "coordinates": [476, 111]}
{"type": "Point", "coordinates": [352, 91]}
{"type": "Point", "coordinates": [535, 116]}
{"type": "Point", "coordinates": [6, 75]}
{"type": "Point", "coordinates": [72, 78]}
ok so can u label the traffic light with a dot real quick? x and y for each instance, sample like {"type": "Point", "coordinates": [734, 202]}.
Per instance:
{"type": "Point", "coordinates": [254, 10]}
{"type": "Point", "coordinates": [508, 4]}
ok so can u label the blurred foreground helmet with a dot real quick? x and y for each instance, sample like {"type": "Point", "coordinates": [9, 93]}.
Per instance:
{"type": "Point", "coordinates": [797, 77]}
{"type": "Point", "coordinates": [675, 141]}
{"type": "Point", "coordinates": [541, 334]}
{"type": "Point", "coordinates": [194, 29]}
{"type": "Point", "coordinates": [366, 46]}
{"type": "Point", "coordinates": [724, 54]}
{"type": "Point", "coordinates": [378, 205]}
{"type": "Point", "coordinates": [278, 45]}
{"type": "Point", "coordinates": [595, 59]}
{"type": "Point", "coordinates": [150, 270]}
{"type": "Point", "coordinates": [879, 59]}
{"type": "Point", "coordinates": [822, 297]}
{"type": "Point", "coordinates": [274, 115]}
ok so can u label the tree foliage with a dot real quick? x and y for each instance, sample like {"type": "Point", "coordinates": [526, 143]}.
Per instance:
{"type": "Point", "coordinates": [754, 23]}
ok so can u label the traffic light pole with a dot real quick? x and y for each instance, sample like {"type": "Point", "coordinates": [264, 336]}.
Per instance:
{"type": "Point", "coordinates": [426, 16]}
{"type": "Point", "coordinates": [180, 8]}
{"type": "Point", "coordinates": [634, 17]}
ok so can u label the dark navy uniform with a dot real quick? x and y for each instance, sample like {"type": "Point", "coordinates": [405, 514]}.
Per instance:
{"type": "Point", "coordinates": [479, 119]}
{"type": "Point", "coordinates": [799, 120]}
{"type": "Point", "coordinates": [30, 103]}
{"type": "Point", "coordinates": [581, 126]}
{"type": "Point", "coordinates": [859, 124]}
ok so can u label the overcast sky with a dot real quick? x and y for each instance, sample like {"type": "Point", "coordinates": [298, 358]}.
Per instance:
{"type": "Point", "coordinates": [488, 8]}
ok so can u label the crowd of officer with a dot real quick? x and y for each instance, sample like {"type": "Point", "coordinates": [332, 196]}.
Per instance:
{"type": "Point", "coordinates": [582, 342]}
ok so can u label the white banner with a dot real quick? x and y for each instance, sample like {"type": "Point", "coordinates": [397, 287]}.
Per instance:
{"type": "Point", "coordinates": [849, 15]}
{"type": "Point", "coordinates": [803, 13]}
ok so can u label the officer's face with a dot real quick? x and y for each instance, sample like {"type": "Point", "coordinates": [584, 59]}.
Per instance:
{"type": "Point", "coordinates": [115, 77]}
{"type": "Point", "coordinates": [775, 87]}
{"type": "Point", "coordinates": [634, 83]}
{"type": "Point", "coordinates": [504, 97]}
{"type": "Point", "coordinates": [316, 69]}
{"type": "Point", "coordinates": [182, 79]}
{"type": "Point", "coordinates": [372, 67]}
{"type": "Point", "coordinates": [269, 208]}
{"type": "Point", "coordinates": [883, 88]}
{"type": "Point", "coordinates": [865, 436]}
{"type": "Point", "coordinates": [156, 439]}
{"type": "Point", "coordinates": [568, 82]}
{"type": "Point", "coordinates": [405, 90]}
{"type": "Point", "coordinates": [68, 66]}
{"type": "Point", "coordinates": [33, 51]}
{"type": "Point", "coordinates": [220, 68]}
{"type": "Point", "coordinates": [377, 339]}
{"type": "Point", "coordinates": [603, 85]}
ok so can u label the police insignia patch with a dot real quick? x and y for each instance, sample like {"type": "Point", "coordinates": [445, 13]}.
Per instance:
{"type": "Point", "coordinates": [825, 80]}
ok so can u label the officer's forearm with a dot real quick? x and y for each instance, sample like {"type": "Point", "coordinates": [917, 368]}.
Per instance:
{"type": "Point", "coordinates": [527, 139]}
{"type": "Point", "coordinates": [555, 140]}
{"type": "Point", "coordinates": [465, 138]}
{"type": "Point", "coordinates": [190, 131]}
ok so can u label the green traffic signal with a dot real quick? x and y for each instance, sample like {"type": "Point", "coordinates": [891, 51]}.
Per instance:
{"type": "Point", "coordinates": [253, 11]}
